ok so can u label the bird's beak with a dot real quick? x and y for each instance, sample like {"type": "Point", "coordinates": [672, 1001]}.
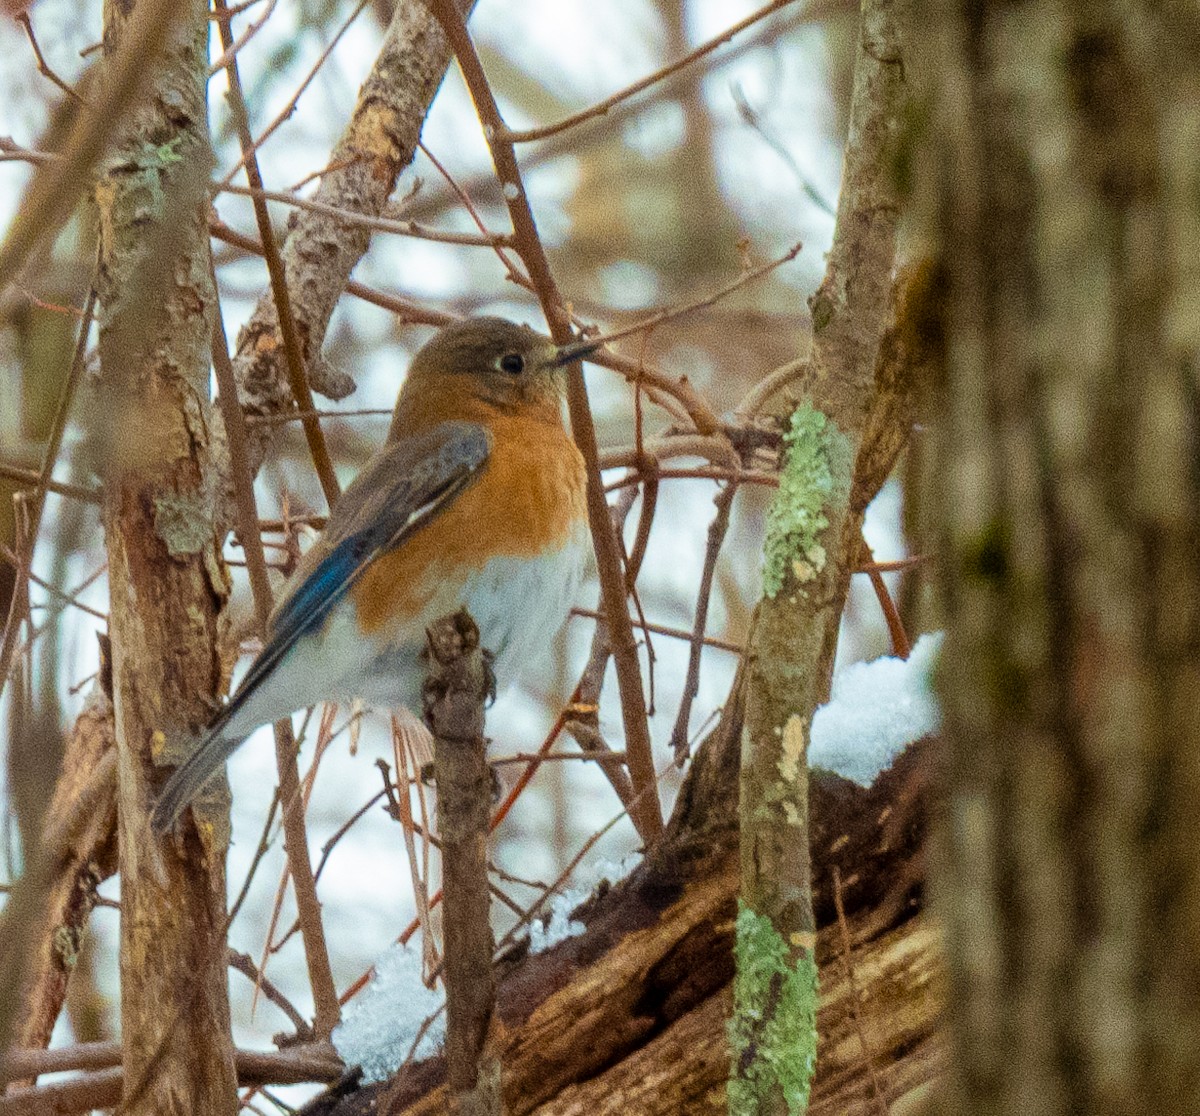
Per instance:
{"type": "Point", "coordinates": [576, 350]}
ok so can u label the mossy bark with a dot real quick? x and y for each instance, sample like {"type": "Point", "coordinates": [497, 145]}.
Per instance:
{"type": "Point", "coordinates": [167, 580]}
{"type": "Point", "coordinates": [837, 445]}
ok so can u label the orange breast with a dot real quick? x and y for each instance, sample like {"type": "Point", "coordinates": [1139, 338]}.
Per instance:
{"type": "Point", "coordinates": [528, 499]}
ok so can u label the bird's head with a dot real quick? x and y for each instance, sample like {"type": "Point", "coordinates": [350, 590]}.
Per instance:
{"type": "Point", "coordinates": [491, 361]}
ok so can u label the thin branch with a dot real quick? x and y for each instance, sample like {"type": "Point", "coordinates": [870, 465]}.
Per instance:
{"type": "Point", "coordinates": [717, 530]}
{"type": "Point", "coordinates": [670, 632]}
{"type": "Point", "coordinates": [287, 110]}
{"type": "Point", "coordinates": [54, 191]}
{"type": "Point", "coordinates": [748, 276]}
{"type": "Point", "coordinates": [483, 239]}
{"type": "Point", "coordinates": [648, 815]}
{"type": "Point", "coordinates": [527, 135]}
{"type": "Point", "coordinates": [901, 644]}
{"type": "Point", "coordinates": [231, 51]}
{"type": "Point", "coordinates": [283, 305]}
{"type": "Point", "coordinates": [43, 66]}
{"type": "Point", "coordinates": [36, 504]}
{"type": "Point", "coordinates": [244, 964]}
{"type": "Point", "coordinates": [316, 952]}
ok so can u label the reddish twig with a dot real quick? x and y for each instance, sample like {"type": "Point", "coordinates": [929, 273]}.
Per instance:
{"type": "Point", "coordinates": [648, 815]}
{"type": "Point", "coordinates": [901, 645]}
{"type": "Point", "coordinates": [43, 67]}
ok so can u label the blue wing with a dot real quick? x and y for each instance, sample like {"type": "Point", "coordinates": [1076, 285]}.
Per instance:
{"type": "Point", "coordinates": [403, 487]}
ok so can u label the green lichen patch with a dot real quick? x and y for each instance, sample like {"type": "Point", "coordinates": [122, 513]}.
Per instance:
{"type": "Point", "coordinates": [812, 446]}
{"type": "Point", "coordinates": [773, 1032]}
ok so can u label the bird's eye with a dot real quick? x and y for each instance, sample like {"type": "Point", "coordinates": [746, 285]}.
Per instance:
{"type": "Point", "coordinates": [513, 363]}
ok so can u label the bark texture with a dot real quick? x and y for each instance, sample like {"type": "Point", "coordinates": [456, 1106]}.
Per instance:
{"type": "Point", "coordinates": [320, 252]}
{"type": "Point", "coordinates": [1065, 180]}
{"type": "Point", "coordinates": [830, 472]}
{"type": "Point", "coordinates": [167, 579]}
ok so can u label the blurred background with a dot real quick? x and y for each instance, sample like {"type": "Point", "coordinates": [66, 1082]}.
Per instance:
{"type": "Point", "coordinates": [661, 201]}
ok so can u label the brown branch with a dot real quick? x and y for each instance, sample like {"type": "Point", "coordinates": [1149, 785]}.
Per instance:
{"type": "Point", "coordinates": [43, 67]}
{"type": "Point", "coordinates": [717, 530]}
{"type": "Point", "coordinates": [36, 504]}
{"type": "Point", "coordinates": [103, 1087]}
{"type": "Point", "coordinates": [244, 964]}
{"type": "Point", "coordinates": [295, 831]}
{"type": "Point", "coordinates": [901, 645]}
{"type": "Point", "coordinates": [456, 689]}
{"type": "Point", "coordinates": [601, 108]}
{"type": "Point", "coordinates": [667, 630]}
{"type": "Point", "coordinates": [647, 815]}
{"type": "Point", "coordinates": [286, 112]}
{"type": "Point", "coordinates": [349, 217]}
{"type": "Point", "coordinates": [230, 49]}
{"type": "Point", "coordinates": [673, 312]}
{"type": "Point", "coordinates": [59, 488]}
{"type": "Point", "coordinates": [279, 288]}
{"type": "Point", "coordinates": [320, 252]}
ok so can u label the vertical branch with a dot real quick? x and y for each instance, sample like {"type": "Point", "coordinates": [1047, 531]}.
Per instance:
{"type": "Point", "coordinates": [167, 579]}
{"type": "Point", "coordinates": [647, 810]}
{"type": "Point", "coordinates": [294, 357]}
{"type": "Point", "coordinates": [455, 691]}
{"type": "Point", "coordinates": [320, 251]}
{"type": "Point", "coordinates": [295, 831]}
{"type": "Point", "coordinates": [832, 451]}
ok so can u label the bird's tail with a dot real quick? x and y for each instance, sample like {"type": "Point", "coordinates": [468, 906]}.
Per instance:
{"type": "Point", "coordinates": [185, 782]}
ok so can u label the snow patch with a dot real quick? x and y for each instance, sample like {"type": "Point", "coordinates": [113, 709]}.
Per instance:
{"type": "Point", "coordinates": [381, 1024]}
{"type": "Point", "coordinates": [875, 711]}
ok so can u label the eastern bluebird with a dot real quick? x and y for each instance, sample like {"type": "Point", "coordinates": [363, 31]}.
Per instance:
{"type": "Point", "coordinates": [476, 500]}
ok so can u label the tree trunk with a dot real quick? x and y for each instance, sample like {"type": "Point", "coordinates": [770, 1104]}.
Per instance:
{"type": "Point", "coordinates": [167, 579]}
{"type": "Point", "coordinates": [1065, 180]}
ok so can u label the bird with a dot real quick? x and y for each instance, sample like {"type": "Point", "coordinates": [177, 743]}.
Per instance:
{"type": "Point", "coordinates": [477, 499]}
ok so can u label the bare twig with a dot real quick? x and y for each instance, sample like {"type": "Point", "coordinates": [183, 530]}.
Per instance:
{"type": "Point", "coordinates": [244, 964]}
{"type": "Point", "coordinates": [43, 67]}
{"type": "Point", "coordinates": [279, 289]}
{"type": "Point", "coordinates": [36, 504]}
{"type": "Point", "coordinates": [670, 632]}
{"type": "Point", "coordinates": [648, 815]}
{"type": "Point", "coordinates": [527, 135]}
{"type": "Point", "coordinates": [717, 530]}
{"type": "Point", "coordinates": [316, 952]}
{"type": "Point", "coordinates": [673, 312]}
{"type": "Point", "coordinates": [54, 191]}
{"type": "Point", "coordinates": [901, 645]}
{"type": "Point", "coordinates": [287, 110]}
{"type": "Point", "coordinates": [483, 239]}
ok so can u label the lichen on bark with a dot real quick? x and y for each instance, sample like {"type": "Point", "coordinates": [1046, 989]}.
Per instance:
{"type": "Point", "coordinates": [773, 1031]}
{"type": "Point", "coordinates": [815, 471]}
